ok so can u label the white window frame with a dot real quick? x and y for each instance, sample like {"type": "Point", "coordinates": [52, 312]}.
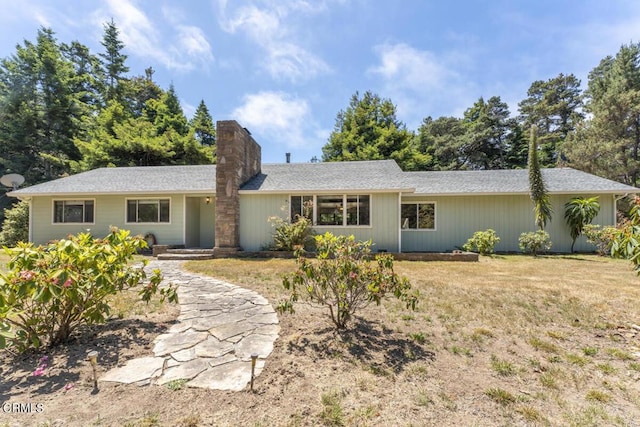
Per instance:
{"type": "Point", "coordinates": [84, 200]}
{"type": "Point", "coordinates": [435, 216]}
{"type": "Point", "coordinates": [157, 199]}
{"type": "Point", "coordinates": [344, 204]}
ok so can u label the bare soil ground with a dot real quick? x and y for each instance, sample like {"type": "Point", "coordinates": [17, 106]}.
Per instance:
{"type": "Point", "coordinates": [507, 341]}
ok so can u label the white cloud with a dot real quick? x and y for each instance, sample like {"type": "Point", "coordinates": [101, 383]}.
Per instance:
{"type": "Point", "coordinates": [273, 28]}
{"type": "Point", "coordinates": [281, 117]}
{"type": "Point", "coordinates": [184, 48]}
{"type": "Point", "coordinates": [410, 68]}
{"type": "Point", "coordinates": [420, 82]}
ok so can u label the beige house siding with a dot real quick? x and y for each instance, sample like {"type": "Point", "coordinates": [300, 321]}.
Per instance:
{"type": "Point", "coordinates": [256, 232]}
{"type": "Point", "coordinates": [458, 217]}
{"type": "Point", "coordinates": [108, 210]}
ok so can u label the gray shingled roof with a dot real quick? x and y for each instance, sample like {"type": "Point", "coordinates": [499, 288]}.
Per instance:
{"type": "Point", "coordinates": [317, 177]}
{"type": "Point", "coordinates": [329, 176]}
{"type": "Point", "coordinates": [130, 180]}
{"type": "Point", "coordinates": [515, 181]}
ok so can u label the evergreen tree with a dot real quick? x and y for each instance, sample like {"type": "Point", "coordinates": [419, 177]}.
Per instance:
{"type": "Point", "coordinates": [537, 189]}
{"type": "Point", "coordinates": [202, 125]}
{"type": "Point", "coordinates": [369, 130]}
{"type": "Point", "coordinates": [487, 126]}
{"type": "Point", "coordinates": [166, 113]}
{"type": "Point", "coordinates": [41, 111]}
{"type": "Point", "coordinates": [555, 108]}
{"type": "Point", "coordinates": [442, 140]}
{"type": "Point", "coordinates": [113, 61]}
{"type": "Point", "coordinates": [608, 144]}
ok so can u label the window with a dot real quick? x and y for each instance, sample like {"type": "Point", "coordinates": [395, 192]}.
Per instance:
{"type": "Point", "coordinates": [73, 211]}
{"type": "Point", "coordinates": [148, 210]}
{"type": "Point", "coordinates": [330, 210]}
{"type": "Point", "coordinates": [343, 210]}
{"type": "Point", "coordinates": [301, 206]}
{"type": "Point", "coordinates": [418, 216]}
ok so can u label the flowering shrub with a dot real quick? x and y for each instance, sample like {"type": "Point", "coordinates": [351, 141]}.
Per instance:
{"type": "Point", "coordinates": [49, 291]}
{"type": "Point", "coordinates": [601, 237]}
{"type": "Point", "coordinates": [344, 278]}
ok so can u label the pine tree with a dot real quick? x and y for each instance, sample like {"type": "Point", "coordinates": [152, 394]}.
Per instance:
{"type": "Point", "coordinates": [202, 125]}
{"type": "Point", "coordinates": [113, 61]}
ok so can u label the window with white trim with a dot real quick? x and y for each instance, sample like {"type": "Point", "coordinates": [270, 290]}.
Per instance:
{"type": "Point", "coordinates": [73, 211]}
{"type": "Point", "coordinates": [418, 216]}
{"type": "Point", "coordinates": [301, 206]}
{"type": "Point", "coordinates": [343, 210]}
{"type": "Point", "coordinates": [148, 210]}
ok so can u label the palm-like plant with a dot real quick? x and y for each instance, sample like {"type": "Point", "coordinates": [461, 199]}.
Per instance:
{"type": "Point", "coordinates": [580, 211]}
{"type": "Point", "coordinates": [537, 190]}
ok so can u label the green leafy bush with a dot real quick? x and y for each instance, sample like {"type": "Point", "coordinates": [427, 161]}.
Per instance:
{"type": "Point", "coordinates": [601, 237]}
{"type": "Point", "coordinates": [626, 241]}
{"type": "Point", "coordinates": [49, 291]}
{"type": "Point", "coordinates": [291, 235]}
{"type": "Point", "coordinates": [535, 242]}
{"type": "Point", "coordinates": [15, 227]}
{"type": "Point", "coordinates": [482, 242]}
{"type": "Point", "coordinates": [345, 278]}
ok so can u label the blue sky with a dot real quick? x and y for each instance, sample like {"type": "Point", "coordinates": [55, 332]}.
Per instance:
{"type": "Point", "coordinates": [285, 68]}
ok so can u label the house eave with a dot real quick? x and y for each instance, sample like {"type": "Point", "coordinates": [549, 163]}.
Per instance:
{"type": "Point", "coordinates": [331, 191]}
{"type": "Point", "coordinates": [520, 193]}
{"type": "Point", "coordinates": [110, 193]}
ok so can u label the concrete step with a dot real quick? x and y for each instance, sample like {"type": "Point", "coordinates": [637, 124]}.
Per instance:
{"type": "Point", "coordinates": [185, 256]}
{"type": "Point", "coordinates": [190, 251]}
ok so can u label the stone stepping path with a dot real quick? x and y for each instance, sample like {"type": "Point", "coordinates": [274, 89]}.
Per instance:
{"type": "Point", "coordinates": [219, 327]}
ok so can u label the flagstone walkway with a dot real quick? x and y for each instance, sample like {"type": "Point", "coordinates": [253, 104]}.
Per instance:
{"type": "Point", "coordinates": [219, 327]}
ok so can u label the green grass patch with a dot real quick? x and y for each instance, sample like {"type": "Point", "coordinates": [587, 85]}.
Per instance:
{"type": "Point", "coordinates": [501, 396]}
{"type": "Point", "coordinates": [502, 367]}
{"type": "Point", "coordinates": [575, 359]}
{"type": "Point", "coordinates": [332, 413]}
{"type": "Point", "coordinates": [598, 396]}
{"type": "Point", "coordinates": [542, 345]}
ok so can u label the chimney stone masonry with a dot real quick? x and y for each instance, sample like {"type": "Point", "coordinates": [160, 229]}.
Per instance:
{"type": "Point", "coordinates": [239, 160]}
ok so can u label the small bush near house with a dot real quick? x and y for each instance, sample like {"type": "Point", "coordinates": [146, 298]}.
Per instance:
{"type": "Point", "coordinates": [535, 242]}
{"type": "Point", "coordinates": [601, 237]}
{"type": "Point", "coordinates": [626, 242]}
{"type": "Point", "coordinates": [15, 227]}
{"type": "Point", "coordinates": [294, 234]}
{"type": "Point", "coordinates": [482, 242]}
{"type": "Point", "coordinates": [345, 278]}
{"type": "Point", "coordinates": [49, 291]}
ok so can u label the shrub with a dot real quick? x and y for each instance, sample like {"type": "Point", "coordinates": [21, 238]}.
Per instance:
{"type": "Point", "coordinates": [534, 242]}
{"type": "Point", "coordinates": [482, 242]}
{"type": "Point", "coordinates": [49, 291]}
{"type": "Point", "coordinates": [291, 234]}
{"type": "Point", "coordinates": [15, 227]}
{"type": "Point", "coordinates": [626, 241]}
{"type": "Point", "coordinates": [601, 237]}
{"type": "Point", "coordinates": [345, 278]}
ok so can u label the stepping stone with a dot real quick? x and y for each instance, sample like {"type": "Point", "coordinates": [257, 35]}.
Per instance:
{"type": "Point", "coordinates": [212, 348]}
{"type": "Point", "coordinates": [184, 371]}
{"type": "Point", "coordinates": [231, 376]}
{"type": "Point", "coordinates": [135, 370]}
{"type": "Point", "coordinates": [262, 345]}
{"type": "Point", "coordinates": [176, 342]}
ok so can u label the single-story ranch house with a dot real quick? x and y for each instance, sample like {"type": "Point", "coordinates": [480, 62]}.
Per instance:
{"type": "Point", "coordinates": [227, 206]}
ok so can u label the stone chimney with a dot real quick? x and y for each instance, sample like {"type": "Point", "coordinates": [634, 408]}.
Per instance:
{"type": "Point", "coordinates": [239, 160]}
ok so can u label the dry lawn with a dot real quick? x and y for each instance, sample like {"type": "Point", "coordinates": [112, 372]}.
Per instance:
{"type": "Point", "coordinates": [510, 340]}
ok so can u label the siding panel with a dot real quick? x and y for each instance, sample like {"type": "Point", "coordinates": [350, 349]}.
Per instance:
{"type": "Point", "coordinates": [458, 217]}
{"type": "Point", "coordinates": [109, 210]}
